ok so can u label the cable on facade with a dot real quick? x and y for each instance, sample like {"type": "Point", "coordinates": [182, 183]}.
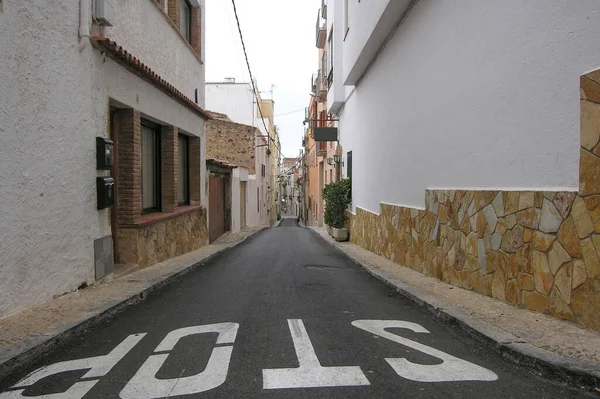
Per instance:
{"type": "Point", "coordinates": [250, 71]}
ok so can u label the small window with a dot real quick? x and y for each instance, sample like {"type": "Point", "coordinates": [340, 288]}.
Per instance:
{"type": "Point", "coordinates": [349, 162]}
{"type": "Point", "coordinates": [150, 168]}
{"type": "Point", "coordinates": [183, 179]}
{"type": "Point", "coordinates": [185, 20]}
{"type": "Point", "coordinates": [257, 200]}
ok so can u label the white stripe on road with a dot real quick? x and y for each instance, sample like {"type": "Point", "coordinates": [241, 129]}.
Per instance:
{"type": "Point", "coordinates": [145, 385]}
{"type": "Point", "coordinates": [452, 368]}
{"type": "Point", "coordinates": [310, 374]}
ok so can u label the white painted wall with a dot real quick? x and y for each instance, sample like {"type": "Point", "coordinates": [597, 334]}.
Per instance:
{"type": "Point", "coordinates": [238, 175]}
{"type": "Point", "coordinates": [472, 94]}
{"type": "Point", "coordinates": [54, 101]}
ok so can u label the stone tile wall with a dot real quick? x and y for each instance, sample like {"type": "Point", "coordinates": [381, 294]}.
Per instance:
{"type": "Point", "coordinates": [163, 239]}
{"type": "Point", "coordinates": [538, 250]}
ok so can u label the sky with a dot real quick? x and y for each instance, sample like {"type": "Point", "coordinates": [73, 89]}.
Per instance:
{"type": "Point", "coordinates": [280, 41]}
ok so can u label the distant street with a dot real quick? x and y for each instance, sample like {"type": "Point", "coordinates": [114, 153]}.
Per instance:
{"type": "Point", "coordinates": [282, 315]}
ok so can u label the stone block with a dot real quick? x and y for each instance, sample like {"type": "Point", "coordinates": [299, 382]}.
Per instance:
{"type": "Point", "coordinates": [579, 273]}
{"type": "Point", "coordinates": [581, 218]}
{"type": "Point", "coordinates": [535, 301]}
{"type": "Point", "coordinates": [590, 257]}
{"type": "Point", "coordinates": [589, 173]}
{"type": "Point", "coordinates": [511, 202]}
{"type": "Point", "coordinates": [550, 218]}
{"type": "Point", "coordinates": [498, 205]}
{"type": "Point", "coordinates": [496, 241]}
{"type": "Point", "coordinates": [563, 201]}
{"type": "Point", "coordinates": [528, 218]}
{"type": "Point", "coordinates": [557, 256]}
{"type": "Point", "coordinates": [499, 285]}
{"type": "Point", "coordinates": [563, 281]}
{"type": "Point", "coordinates": [526, 200]}
{"type": "Point", "coordinates": [585, 304]}
{"type": "Point", "coordinates": [513, 294]}
{"type": "Point", "coordinates": [477, 282]}
{"type": "Point", "coordinates": [525, 282]}
{"type": "Point", "coordinates": [542, 241]}
{"type": "Point", "coordinates": [542, 275]}
{"type": "Point", "coordinates": [567, 236]}
{"type": "Point", "coordinates": [490, 217]}
{"type": "Point", "coordinates": [590, 124]}
{"type": "Point", "coordinates": [558, 307]}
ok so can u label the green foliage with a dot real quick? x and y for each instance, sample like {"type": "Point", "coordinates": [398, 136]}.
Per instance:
{"type": "Point", "coordinates": [337, 197]}
{"type": "Point", "coordinates": [279, 216]}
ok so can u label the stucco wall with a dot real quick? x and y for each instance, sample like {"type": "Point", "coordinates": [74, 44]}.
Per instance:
{"type": "Point", "coordinates": [476, 94]}
{"type": "Point", "coordinates": [234, 99]}
{"type": "Point", "coordinates": [48, 200]}
{"type": "Point", "coordinates": [142, 28]}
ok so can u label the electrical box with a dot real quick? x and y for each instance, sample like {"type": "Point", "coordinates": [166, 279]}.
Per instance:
{"type": "Point", "coordinates": [105, 186]}
{"type": "Point", "coordinates": [103, 12]}
{"type": "Point", "coordinates": [104, 153]}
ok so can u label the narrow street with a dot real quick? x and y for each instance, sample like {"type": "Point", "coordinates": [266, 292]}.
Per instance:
{"type": "Point", "coordinates": [283, 315]}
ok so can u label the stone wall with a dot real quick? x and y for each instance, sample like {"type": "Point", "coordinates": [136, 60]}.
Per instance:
{"type": "Point", "coordinates": [164, 239]}
{"type": "Point", "coordinates": [231, 142]}
{"type": "Point", "coordinates": [537, 250]}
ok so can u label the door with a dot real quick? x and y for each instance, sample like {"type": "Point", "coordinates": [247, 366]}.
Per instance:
{"type": "Point", "coordinates": [242, 204]}
{"type": "Point", "coordinates": [216, 208]}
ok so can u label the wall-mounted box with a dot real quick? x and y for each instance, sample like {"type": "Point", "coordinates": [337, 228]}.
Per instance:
{"type": "Point", "coordinates": [105, 187]}
{"type": "Point", "coordinates": [104, 153]}
{"type": "Point", "coordinates": [103, 12]}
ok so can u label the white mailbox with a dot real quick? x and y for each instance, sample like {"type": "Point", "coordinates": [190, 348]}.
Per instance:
{"type": "Point", "coordinates": [103, 12]}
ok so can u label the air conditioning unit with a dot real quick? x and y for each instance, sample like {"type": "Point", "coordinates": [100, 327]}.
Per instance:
{"type": "Point", "coordinates": [103, 12]}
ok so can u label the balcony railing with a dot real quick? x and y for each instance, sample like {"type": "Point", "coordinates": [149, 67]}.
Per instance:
{"type": "Point", "coordinates": [321, 148]}
{"type": "Point", "coordinates": [321, 31]}
{"type": "Point", "coordinates": [324, 9]}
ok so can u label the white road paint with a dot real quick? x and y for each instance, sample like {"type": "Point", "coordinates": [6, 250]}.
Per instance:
{"type": "Point", "coordinates": [98, 367]}
{"type": "Point", "coordinates": [145, 385]}
{"type": "Point", "coordinates": [310, 374]}
{"type": "Point", "coordinates": [452, 368]}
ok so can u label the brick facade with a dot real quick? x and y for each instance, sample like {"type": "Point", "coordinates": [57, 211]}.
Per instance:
{"type": "Point", "coordinates": [231, 142]}
{"type": "Point", "coordinates": [169, 163]}
{"type": "Point", "coordinates": [129, 146]}
{"type": "Point", "coordinates": [174, 10]}
{"type": "Point", "coordinates": [195, 168]}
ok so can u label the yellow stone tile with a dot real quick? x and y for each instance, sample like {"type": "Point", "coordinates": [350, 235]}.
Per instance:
{"type": "Point", "coordinates": [567, 236]}
{"type": "Point", "coordinates": [558, 307]}
{"type": "Point", "coordinates": [499, 285]}
{"type": "Point", "coordinates": [557, 256]}
{"type": "Point", "coordinates": [590, 256]}
{"type": "Point", "coordinates": [525, 281]}
{"type": "Point", "coordinates": [477, 282]}
{"type": "Point", "coordinates": [527, 235]}
{"type": "Point", "coordinates": [586, 306]}
{"type": "Point", "coordinates": [526, 200]}
{"type": "Point", "coordinates": [564, 280]}
{"type": "Point", "coordinates": [512, 292]}
{"type": "Point", "coordinates": [589, 173]}
{"type": "Point", "coordinates": [591, 89]}
{"type": "Point", "coordinates": [590, 124]}
{"type": "Point", "coordinates": [536, 301]}
{"type": "Point", "coordinates": [541, 273]}
{"type": "Point", "coordinates": [579, 273]}
{"type": "Point", "coordinates": [581, 218]}
{"type": "Point", "coordinates": [511, 202]}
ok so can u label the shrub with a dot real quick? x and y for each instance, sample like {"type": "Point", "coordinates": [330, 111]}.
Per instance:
{"type": "Point", "coordinates": [337, 197]}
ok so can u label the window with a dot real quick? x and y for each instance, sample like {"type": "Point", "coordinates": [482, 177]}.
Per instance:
{"type": "Point", "coordinates": [346, 26]}
{"type": "Point", "coordinates": [263, 170]}
{"type": "Point", "coordinates": [183, 173]}
{"type": "Point", "coordinates": [349, 162]}
{"type": "Point", "coordinates": [330, 176]}
{"type": "Point", "coordinates": [150, 167]}
{"type": "Point", "coordinates": [330, 58]}
{"type": "Point", "coordinates": [185, 20]}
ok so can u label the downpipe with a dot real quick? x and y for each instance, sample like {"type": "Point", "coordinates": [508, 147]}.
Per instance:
{"type": "Point", "coordinates": [84, 23]}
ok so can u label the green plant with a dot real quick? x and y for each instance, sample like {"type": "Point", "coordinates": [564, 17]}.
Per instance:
{"type": "Point", "coordinates": [337, 197]}
{"type": "Point", "coordinates": [278, 216]}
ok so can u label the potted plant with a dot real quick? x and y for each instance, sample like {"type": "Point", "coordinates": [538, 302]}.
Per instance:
{"type": "Point", "coordinates": [337, 198]}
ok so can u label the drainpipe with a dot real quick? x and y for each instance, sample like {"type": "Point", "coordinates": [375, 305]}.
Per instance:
{"type": "Point", "coordinates": [84, 24]}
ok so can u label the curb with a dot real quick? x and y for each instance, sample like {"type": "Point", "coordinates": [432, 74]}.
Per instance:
{"type": "Point", "coordinates": [56, 338]}
{"type": "Point", "coordinates": [553, 366]}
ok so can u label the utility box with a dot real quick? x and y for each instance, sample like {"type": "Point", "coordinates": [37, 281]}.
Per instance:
{"type": "Point", "coordinates": [103, 12]}
{"type": "Point", "coordinates": [104, 153]}
{"type": "Point", "coordinates": [105, 187]}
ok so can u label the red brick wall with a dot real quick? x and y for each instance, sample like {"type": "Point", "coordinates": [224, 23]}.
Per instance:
{"type": "Point", "coordinates": [169, 163]}
{"type": "Point", "coordinates": [129, 194]}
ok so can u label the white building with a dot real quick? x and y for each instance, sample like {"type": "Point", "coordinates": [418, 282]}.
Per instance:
{"type": "Point", "coordinates": [440, 99]}
{"type": "Point", "coordinates": [67, 78]}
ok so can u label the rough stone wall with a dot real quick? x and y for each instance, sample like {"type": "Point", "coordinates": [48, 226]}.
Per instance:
{"type": "Point", "coordinates": [537, 250]}
{"type": "Point", "coordinates": [231, 142]}
{"type": "Point", "coordinates": [165, 239]}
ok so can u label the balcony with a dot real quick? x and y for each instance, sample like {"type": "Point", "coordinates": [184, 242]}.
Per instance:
{"type": "Point", "coordinates": [321, 148]}
{"type": "Point", "coordinates": [324, 9]}
{"type": "Point", "coordinates": [321, 31]}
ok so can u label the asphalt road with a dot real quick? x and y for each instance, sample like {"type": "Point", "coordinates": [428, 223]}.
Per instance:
{"type": "Point", "coordinates": [282, 315]}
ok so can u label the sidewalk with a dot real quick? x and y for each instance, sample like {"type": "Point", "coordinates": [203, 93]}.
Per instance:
{"type": "Point", "coordinates": [26, 335]}
{"type": "Point", "coordinates": [556, 348]}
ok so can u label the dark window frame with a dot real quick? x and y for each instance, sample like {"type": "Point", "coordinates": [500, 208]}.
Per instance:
{"type": "Point", "coordinates": [157, 168]}
{"type": "Point", "coordinates": [186, 169]}
{"type": "Point", "coordinates": [349, 165]}
{"type": "Point", "coordinates": [188, 35]}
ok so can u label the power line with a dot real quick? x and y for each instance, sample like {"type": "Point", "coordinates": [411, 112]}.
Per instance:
{"type": "Point", "coordinates": [291, 112]}
{"type": "Point", "coordinates": [250, 71]}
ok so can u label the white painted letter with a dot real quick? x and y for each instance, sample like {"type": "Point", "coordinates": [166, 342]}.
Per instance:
{"type": "Point", "coordinates": [452, 368]}
{"type": "Point", "coordinates": [310, 374]}
{"type": "Point", "coordinates": [98, 366]}
{"type": "Point", "coordinates": [145, 385]}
